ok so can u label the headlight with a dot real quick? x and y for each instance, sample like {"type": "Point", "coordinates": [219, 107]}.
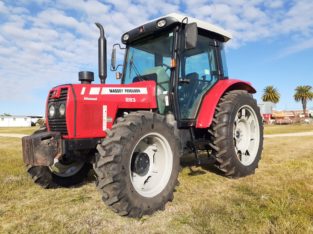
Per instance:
{"type": "Point", "coordinates": [62, 109]}
{"type": "Point", "coordinates": [51, 111]}
{"type": "Point", "coordinates": [161, 23]}
{"type": "Point", "coordinates": [125, 37]}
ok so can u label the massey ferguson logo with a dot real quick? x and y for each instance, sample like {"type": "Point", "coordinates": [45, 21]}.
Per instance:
{"type": "Point", "coordinates": [115, 91]}
{"type": "Point", "coordinates": [125, 90]}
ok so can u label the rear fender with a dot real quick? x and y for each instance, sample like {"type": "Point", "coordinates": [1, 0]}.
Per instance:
{"type": "Point", "coordinates": [212, 97]}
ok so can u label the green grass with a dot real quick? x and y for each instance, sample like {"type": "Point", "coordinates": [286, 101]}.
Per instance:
{"type": "Point", "coordinates": [277, 199]}
{"type": "Point", "coordinates": [277, 129]}
{"type": "Point", "coordinates": [25, 130]}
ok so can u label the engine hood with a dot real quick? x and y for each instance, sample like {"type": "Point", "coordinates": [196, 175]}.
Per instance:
{"type": "Point", "coordinates": [92, 108]}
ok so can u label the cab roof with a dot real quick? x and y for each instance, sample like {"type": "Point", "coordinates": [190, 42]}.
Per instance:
{"type": "Point", "coordinates": [202, 24]}
{"type": "Point", "coordinates": [149, 28]}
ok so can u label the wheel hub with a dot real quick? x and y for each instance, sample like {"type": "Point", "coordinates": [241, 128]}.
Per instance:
{"type": "Point", "coordinates": [151, 164]}
{"type": "Point", "coordinates": [238, 134]}
{"type": "Point", "coordinates": [66, 170]}
{"type": "Point", "coordinates": [141, 163]}
{"type": "Point", "coordinates": [246, 135]}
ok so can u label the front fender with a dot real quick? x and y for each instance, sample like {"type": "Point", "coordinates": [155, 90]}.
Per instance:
{"type": "Point", "coordinates": [212, 97]}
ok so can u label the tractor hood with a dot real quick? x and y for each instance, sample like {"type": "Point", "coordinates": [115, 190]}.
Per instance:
{"type": "Point", "coordinates": [90, 109]}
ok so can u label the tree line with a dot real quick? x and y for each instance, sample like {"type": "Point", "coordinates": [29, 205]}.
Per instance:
{"type": "Point", "coordinates": [303, 94]}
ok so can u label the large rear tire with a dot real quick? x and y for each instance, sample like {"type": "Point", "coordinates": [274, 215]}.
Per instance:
{"type": "Point", "coordinates": [138, 164]}
{"type": "Point", "coordinates": [237, 134]}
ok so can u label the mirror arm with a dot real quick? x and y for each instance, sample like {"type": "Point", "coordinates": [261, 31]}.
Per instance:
{"type": "Point", "coordinates": [184, 19]}
{"type": "Point", "coordinates": [118, 44]}
{"type": "Point", "coordinates": [114, 69]}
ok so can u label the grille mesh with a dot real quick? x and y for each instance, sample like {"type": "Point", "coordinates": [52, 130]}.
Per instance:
{"type": "Point", "coordinates": [58, 123]}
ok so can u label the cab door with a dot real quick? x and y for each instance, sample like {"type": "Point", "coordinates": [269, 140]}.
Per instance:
{"type": "Point", "coordinates": [199, 71]}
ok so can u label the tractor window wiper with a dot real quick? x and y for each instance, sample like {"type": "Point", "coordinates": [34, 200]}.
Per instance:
{"type": "Point", "coordinates": [132, 65]}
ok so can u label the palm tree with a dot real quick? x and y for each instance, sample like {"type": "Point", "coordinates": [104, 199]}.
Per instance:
{"type": "Point", "coordinates": [271, 94]}
{"type": "Point", "coordinates": [304, 94]}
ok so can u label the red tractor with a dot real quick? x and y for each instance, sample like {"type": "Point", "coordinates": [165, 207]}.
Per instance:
{"type": "Point", "coordinates": [175, 97]}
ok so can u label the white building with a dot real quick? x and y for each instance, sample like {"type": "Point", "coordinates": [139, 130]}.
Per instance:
{"type": "Point", "coordinates": [15, 121]}
{"type": "Point", "coordinates": [35, 118]}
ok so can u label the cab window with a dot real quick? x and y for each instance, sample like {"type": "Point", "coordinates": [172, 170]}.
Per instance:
{"type": "Point", "coordinates": [198, 73]}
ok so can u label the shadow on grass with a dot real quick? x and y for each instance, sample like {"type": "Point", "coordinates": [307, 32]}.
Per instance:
{"type": "Point", "coordinates": [90, 178]}
{"type": "Point", "coordinates": [206, 165]}
{"type": "Point", "coordinates": [187, 161]}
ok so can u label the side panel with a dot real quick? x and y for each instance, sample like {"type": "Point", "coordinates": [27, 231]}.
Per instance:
{"type": "Point", "coordinates": [211, 99]}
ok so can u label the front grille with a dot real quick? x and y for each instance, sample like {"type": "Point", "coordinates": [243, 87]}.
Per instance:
{"type": "Point", "coordinates": [58, 123]}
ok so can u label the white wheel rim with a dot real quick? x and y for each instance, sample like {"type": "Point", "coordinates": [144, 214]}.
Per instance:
{"type": "Point", "coordinates": [158, 172]}
{"type": "Point", "coordinates": [246, 135]}
{"type": "Point", "coordinates": [63, 170]}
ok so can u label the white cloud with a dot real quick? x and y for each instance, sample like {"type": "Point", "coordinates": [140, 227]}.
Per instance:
{"type": "Point", "coordinates": [59, 18]}
{"type": "Point", "coordinates": [298, 47]}
{"type": "Point", "coordinates": [275, 4]}
{"type": "Point", "coordinates": [89, 7]}
{"type": "Point", "coordinates": [299, 18]}
{"type": "Point", "coordinates": [19, 10]}
{"type": "Point", "coordinates": [3, 8]}
{"type": "Point", "coordinates": [256, 20]}
{"type": "Point", "coordinates": [43, 46]}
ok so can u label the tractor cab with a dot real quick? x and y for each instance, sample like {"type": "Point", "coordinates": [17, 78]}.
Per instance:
{"type": "Point", "coordinates": [184, 56]}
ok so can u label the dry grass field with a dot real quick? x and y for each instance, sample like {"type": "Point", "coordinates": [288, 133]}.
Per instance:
{"type": "Point", "coordinates": [19, 130]}
{"type": "Point", "coordinates": [277, 199]}
{"type": "Point", "coordinates": [276, 129]}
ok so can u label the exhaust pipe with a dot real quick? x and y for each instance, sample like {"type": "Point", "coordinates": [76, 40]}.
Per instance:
{"type": "Point", "coordinates": [102, 55]}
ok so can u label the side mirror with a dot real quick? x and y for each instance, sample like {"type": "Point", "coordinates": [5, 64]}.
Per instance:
{"type": "Point", "coordinates": [191, 36]}
{"type": "Point", "coordinates": [113, 59]}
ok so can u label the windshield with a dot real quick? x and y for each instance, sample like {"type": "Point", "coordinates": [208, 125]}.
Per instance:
{"type": "Point", "coordinates": [151, 56]}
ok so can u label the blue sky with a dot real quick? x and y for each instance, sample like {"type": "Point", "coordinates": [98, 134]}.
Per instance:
{"type": "Point", "coordinates": [45, 43]}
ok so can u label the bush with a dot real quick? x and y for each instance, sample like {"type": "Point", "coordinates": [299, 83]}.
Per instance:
{"type": "Point", "coordinates": [41, 122]}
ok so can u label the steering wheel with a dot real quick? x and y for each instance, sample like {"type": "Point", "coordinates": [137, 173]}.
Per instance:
{"type": "Point", "coordinates": [166, 66]}
{"type": "Point", "coordinates": [206, 81]}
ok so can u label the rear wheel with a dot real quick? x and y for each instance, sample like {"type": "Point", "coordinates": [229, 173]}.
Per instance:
{"type": "Point", "coordinates": [138, 164]}
{"type": "Point", "coordinates": [237, 134]}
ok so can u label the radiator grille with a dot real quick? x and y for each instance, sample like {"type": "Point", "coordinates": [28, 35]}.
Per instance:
{"type": "Point", "coordinates": [58, 123]}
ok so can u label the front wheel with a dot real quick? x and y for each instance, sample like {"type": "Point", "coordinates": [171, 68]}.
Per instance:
{"type": "Point", "coordinates": [60, 174]}
{"type": "Point", "coordinates": [64, 173]}
{"type": "Point", "coordinates": [138, 164]}
{"type": "Point", "coordinates": [237, 134]}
